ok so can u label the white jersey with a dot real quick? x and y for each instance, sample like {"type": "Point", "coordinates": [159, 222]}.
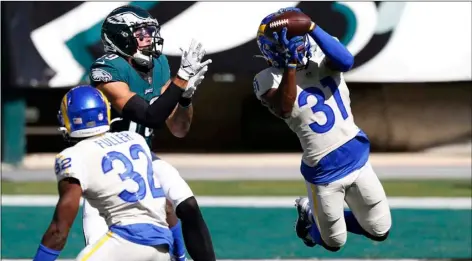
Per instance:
{"type": "Point", "coordinates": [321, 115]}
{"type": "Point", "coordinates": [116, 176]}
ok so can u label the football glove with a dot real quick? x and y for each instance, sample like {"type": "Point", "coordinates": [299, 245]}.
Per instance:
{"type": "Point", "coordinates": [293, 48]}
{"type": "Point", "coordinates": [193, 82]}
{"type": "Point", "coordinates": [190, 62]}
{"type": "Point", "coordinates": [289, 9]}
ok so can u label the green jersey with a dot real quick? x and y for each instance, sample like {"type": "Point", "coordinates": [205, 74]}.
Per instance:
{"type": "Point", "coordinates": [146, 83]}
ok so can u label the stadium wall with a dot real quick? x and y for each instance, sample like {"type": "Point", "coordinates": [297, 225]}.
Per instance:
{"type": "Point", "coordinates": [228, 118]}
{"type": "Point", "coordinates": [396, 117]}
{"type": "Point", "coordinates": [407, 92]}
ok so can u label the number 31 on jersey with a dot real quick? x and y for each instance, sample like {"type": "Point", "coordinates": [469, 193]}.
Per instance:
{"type": "Point", "coordinates": [322, 106]}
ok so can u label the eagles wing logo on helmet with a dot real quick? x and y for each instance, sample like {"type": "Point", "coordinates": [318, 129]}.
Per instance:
{"type": "Point", "coordinates": [130, 18]}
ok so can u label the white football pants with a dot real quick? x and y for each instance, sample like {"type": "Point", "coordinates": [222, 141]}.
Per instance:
{"type": "Point", "coordinates": [110, 246]}
{"type": "Point", "coordinates": [364, 195]}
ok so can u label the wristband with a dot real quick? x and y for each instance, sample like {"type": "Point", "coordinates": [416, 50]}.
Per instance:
{"type": "Point", "coordinates": [185, 102]}
{"type": "Point", "coordinates": [292, 65]}
{"type": "Point", "coordinates": [179, 245]}
{"type": "Point", "coordinates": [46, 254]}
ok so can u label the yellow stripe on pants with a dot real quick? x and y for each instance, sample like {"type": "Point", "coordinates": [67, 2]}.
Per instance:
{"type": "Point", "coordinates": [97, 246]}
{"type": "Point", "coordinates": [315, 204]}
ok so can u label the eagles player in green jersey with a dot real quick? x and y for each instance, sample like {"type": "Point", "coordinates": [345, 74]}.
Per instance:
{"type": "Point", "coordinates": [135, 77]}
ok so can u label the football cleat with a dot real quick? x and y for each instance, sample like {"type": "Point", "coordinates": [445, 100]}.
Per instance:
{"type": "Point", "coordinates": [303, 223]}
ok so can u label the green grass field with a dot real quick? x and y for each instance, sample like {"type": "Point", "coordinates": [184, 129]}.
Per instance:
{"type": "Point", "coordinates": [393, 188]}
{"type": "Point", "coordinates": [416, 233]}
{"type": "Point", "coordinates": [267, 233]}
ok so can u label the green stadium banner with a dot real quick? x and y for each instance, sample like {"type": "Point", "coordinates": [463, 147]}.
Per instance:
{"type": "Point", "coordinates": [13, 129]}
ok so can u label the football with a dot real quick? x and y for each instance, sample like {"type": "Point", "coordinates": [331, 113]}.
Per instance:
{"type": "Point", "coordinates": [298, 24]}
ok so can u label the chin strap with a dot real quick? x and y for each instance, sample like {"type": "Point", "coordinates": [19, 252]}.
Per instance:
{"type": "Point", "coordinates": [69, 141]}
{"type": "Point", "coordinates": [142, 60]}
{"type": "Point", "coordinates": [63, 130]}
{"type": "Point", "coordinates": [259, 56]}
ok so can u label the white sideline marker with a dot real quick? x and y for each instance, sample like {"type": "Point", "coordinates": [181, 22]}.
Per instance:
{"type": "Point", "coordinates": [263, 202]}
{"type": "Point", "coordinates": [270, 259]}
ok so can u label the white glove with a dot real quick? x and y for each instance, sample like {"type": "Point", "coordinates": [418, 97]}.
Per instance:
{"type": "Point", "coordinates": [194, 82]}
{"type": "Point", "coordinates": [190, 62]}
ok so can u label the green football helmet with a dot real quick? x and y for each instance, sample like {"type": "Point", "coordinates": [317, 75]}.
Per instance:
{"type": "Point", "coordinates": [131, 31]}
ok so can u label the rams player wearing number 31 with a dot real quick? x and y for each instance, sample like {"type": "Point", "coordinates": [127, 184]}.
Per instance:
{"type": "Point", "coordinates": [115, 174]}
{"type": "Point", "coordinates": [304, 86]}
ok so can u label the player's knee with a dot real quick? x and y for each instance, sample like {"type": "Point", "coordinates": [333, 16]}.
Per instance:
{"type": "Point", "coordinates": [335, 242]}
{"type": "Point", "coordinates": [332, 249]}
{"type": "Point", "coordinates": [380, 238]}
{"type": "Point", "coordinates": [379, 230]}
{"type": "Point", "coordinates": [379, 235]}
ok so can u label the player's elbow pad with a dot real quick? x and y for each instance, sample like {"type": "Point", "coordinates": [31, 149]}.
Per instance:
{"type": "Point", "coordinates": [155, 115]}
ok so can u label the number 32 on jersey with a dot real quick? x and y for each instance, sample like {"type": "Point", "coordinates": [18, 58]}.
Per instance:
{"type": "Point", "coordinates": [322, 106]}
{"type": "Point", "coordinates": [135, 151]}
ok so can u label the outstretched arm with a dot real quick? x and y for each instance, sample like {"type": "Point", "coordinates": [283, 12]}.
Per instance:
{"type": "Point", "coordinates": [180, 119]}
{"type": "Point", "coordinates": [281, 99]}
{"type": "Point", "coordinates": [338, 56]}
{"type": "Point", "coordinates": [55, 237]}
{"type": "Point", "coordinates": [135, 108]}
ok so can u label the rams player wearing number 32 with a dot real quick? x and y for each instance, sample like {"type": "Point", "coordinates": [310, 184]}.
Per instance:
{"type": "Point", "coordinates": [114, 173]}
{"type": "Point", "coordinates": [304, 86]}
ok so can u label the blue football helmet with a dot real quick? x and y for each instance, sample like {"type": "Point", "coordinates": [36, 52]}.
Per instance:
{"type": "Point", "coordinates": [271, 50]}
{"type": "Point", "coordinates": [84, 112]}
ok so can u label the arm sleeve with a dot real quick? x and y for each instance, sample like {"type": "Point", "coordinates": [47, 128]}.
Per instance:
{"type": "Point", "coordinates": [337, 53]}
{"type": "Point", "coordinates": [155, 115]}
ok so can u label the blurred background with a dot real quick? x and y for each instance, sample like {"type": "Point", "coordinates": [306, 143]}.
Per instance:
{"type": "Point", "coordinates": [410, 92]}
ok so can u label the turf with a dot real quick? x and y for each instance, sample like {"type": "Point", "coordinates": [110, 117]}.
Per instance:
{"type": "Point", "coordinates": [393, 188]}
{"type": "Point", "coordinates": [267, 233]}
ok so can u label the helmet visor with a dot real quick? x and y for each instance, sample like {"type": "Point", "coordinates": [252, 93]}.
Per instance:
{"type": "Point", "coordinates": [148, 39]}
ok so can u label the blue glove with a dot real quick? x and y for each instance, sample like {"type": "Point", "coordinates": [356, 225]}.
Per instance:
{"type": "Point", "coordinates": [289, 9]}
{"type": "Point", "coordinates": [292, 47]}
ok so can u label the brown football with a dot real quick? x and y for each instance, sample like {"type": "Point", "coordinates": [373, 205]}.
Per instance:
{"type": "Point", "coordinates": [298, 24]}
